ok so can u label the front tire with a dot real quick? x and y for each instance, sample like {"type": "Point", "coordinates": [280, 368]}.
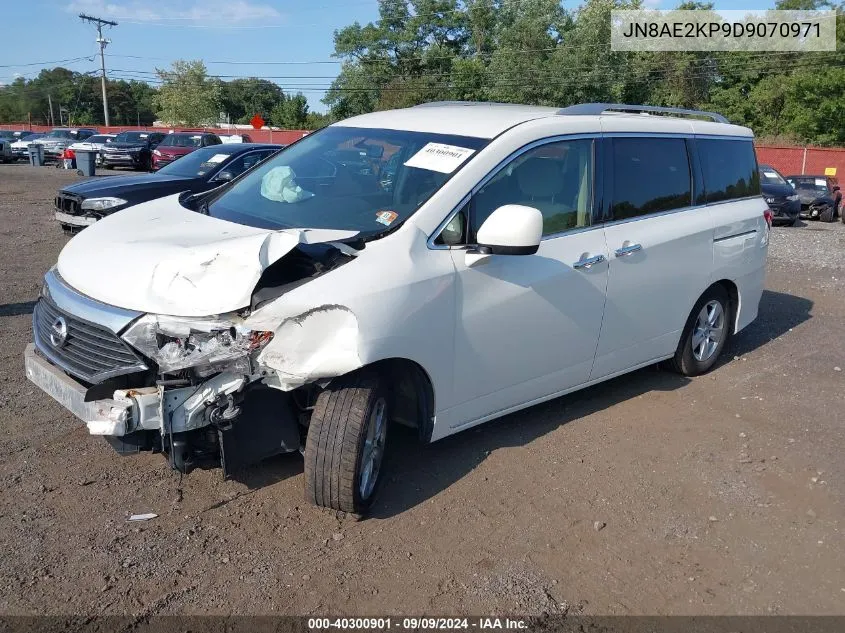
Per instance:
{"type": "Point", "coordinates": [344, 449]}
{"type": "Point", "coordinates": [705, 334]}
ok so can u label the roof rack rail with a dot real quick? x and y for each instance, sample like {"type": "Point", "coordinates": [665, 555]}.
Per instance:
{"type": "Point", "coordinates": [601, 108]}
{"type": "Point", "coordinates": [465, 103]}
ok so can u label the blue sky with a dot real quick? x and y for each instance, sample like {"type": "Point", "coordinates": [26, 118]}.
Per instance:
{"type": "Point", "coordinates": [153, 33]}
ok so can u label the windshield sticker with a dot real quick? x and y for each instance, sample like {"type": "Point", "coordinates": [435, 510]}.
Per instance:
{"type": "Point", "coordinates": [770, 174]}
{"type": "Point", "coordinates": [821, 182]}
{"type": "Point", "coordinates": [217, 158]}
{"type": "Point", "coordinates": [143, 135]}
{"type": "Point", "coordinates": [278, 185]}
{"type": "Point", "coordinates": [439, 157]}
{"type": "Point", "coordinates": [386, 217]}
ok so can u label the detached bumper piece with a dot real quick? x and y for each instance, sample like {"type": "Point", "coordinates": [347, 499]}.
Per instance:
{"type": "Point", "coordinates": [222, 422]}
{"type": "Point", "coordinates": [102, 417]}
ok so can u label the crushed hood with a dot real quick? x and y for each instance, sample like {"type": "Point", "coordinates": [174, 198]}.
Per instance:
{"type": "Point", "coordinates": [162, 258]}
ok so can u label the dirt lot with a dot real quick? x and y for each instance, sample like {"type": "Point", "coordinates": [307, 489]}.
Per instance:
{"type": "Point", "coordinates": [718, 495]}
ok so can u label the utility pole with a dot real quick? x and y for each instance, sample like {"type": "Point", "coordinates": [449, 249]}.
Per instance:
{"type": "Point", "coordinates": [52, 116]}
{"type": "Point", "coordinates": [99, 22]}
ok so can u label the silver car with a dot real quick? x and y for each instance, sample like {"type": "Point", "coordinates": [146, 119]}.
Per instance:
{"type": "Point", "coordinates": [60, 138]}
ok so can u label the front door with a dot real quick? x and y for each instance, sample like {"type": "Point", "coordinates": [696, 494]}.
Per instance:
{"type": "Point", "coordinates": [528, 325]}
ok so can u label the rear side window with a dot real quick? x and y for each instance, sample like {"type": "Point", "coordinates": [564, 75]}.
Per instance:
{"type": "Point", "coordinates": [729, 169]}
{"type": "Point", "coordinates": [650, 175]}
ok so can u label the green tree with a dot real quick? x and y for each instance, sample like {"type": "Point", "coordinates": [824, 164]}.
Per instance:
{"type": "Point", "coordinates": [291, 113]}
{"type": "Point", "coordinates": [187, 96]}
{"type": "Point", "coordinates": [241, 99]}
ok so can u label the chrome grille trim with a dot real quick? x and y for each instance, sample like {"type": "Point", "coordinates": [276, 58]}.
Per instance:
{"type": "Point", "coordinates": [93, 350]}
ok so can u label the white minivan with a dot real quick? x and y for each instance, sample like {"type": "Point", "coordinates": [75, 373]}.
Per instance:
{"type": "Point", "coordinates": [436, 266]}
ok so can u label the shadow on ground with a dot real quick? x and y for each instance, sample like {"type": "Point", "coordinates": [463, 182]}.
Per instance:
{"type": "Point", "coordinates": [16, 309]}
{"type": "Point", "coordinates": [416, 473]}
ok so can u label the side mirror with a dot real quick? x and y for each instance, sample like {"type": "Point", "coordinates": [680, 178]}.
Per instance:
{"type": "Point", "coordinates": [225, 176]}
{"type": "Point", "coordinates": [512, 229]}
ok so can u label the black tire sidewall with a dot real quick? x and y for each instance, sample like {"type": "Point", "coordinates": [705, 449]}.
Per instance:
{"type": "Point", "coordinates": [684, 358]}
{"type": "Point", "coordinates": [376, 392]}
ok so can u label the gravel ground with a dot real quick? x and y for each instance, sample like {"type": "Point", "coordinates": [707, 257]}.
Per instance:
{"type": "Point", "coordinates": [650, 494]}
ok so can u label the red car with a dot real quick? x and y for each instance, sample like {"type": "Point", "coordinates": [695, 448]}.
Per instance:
{"type": "Point", "coordinates": [178, 144]}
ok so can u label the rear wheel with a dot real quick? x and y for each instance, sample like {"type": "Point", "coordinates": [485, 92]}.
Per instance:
{"type": "Point", "coordinates": [705, 334]}
{"type": "Point", "coordinates": [345, 446]}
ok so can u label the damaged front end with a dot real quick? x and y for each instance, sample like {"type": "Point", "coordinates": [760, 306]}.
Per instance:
{"type": "Point", "coordinates": [210, 391]}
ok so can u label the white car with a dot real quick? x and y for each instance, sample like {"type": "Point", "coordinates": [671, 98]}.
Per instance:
{"type": "Point", "coordinates": [20, 148]}
{"type": "Point", "coordinates": [94, 143]}
{"type": "Point", "coordinates": [437, 266]}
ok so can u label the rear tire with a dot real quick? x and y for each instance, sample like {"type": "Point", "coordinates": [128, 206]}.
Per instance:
{"type": "Point", "coordinates": [344, 449]}
{"type": "Point", "coordinates": [705, 334]}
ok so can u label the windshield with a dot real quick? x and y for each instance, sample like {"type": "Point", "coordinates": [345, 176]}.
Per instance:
{"type": "Point", "coordinates": [812, 184]}
{"type": "Point", "coordinates": [131, 137]}
{"type": "Point", "coordinates": [355, 179]}
{"type": "Point", "coordinates": [60, 134]}
{"type": "Point", "coordinates": [180, 140]}
{"type": "Point", "coordinates": [7, 134]}
{"type": "Point", "coordinates": [97, 138]}
{"type": "Point", "coordinates": [31, 137]}
{"type": "Point", "coordinates": [199, 162]}
{"type": "Point", "coordinates": [769, 176]}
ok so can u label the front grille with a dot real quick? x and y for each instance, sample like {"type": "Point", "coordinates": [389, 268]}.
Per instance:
{"type": "Point", "coordinates": [67, 204]}
{"type": "Point", "coordinates": [89, 351]}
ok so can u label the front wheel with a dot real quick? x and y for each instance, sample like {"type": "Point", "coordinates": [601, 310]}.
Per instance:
{"type": "Point", "coordinates": [705, 334]}
{"type": "Point", "coordinates": [345, 446]}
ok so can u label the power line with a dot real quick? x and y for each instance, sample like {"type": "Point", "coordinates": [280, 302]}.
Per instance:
{"type": "Point", "coordinates": [55, 61]}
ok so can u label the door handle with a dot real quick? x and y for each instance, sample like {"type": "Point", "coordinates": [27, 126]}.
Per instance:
{"type": "Point", "coordinates": [587, 262]}
{"type": "Point", "coordinates": [628, 249]}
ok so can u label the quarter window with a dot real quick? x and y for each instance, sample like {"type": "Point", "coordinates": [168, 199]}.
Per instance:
{"type": "Point", "coordinates": [729, 168]}
{"type": "Point", "coordinates": [650, 175]}
{"type": "Point", "coordinates": [556, 178]}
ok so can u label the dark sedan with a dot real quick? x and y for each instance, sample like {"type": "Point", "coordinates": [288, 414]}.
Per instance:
{"type": "Point", "coordinates": [780, 196]}
{"type": "Point", "coordinates": [131, 149]}
{"type": "Point", "coordinates": [83, 203]}
{"type": "Point", "coordinates": [819, 196]}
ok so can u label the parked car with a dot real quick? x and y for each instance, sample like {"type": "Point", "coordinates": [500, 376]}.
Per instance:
{"type": "Point", "coordinates": [179, 144]}
{"type": "Point", "coordinates": [520, 253]}
{"type": "Point", "coordinates": [96, 143]}
{"type": "Point", "coordinates": [237, 138]}
{"type": "Point", "coordinates": [14, 135]}
{"type": "Point", "coordinates": [6, 155]}
{"type": "Point", "coordinates": [20, 148]}
{"type": "Point", "coordinates": [818, 195]}
{"type": "Point", "coordinates": [131, 149]}
{"type": "Point", "coordinates": [780, 196]}
{"type": "Point", "coordinates": [59, 139]}
{"type": "Point", "coordinates": [82, 203]}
